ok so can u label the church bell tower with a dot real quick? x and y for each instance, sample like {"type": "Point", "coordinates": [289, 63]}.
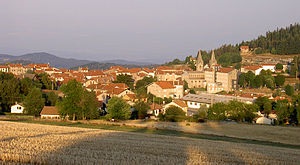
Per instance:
{"type": "Point", "coordinates": [199, 62]}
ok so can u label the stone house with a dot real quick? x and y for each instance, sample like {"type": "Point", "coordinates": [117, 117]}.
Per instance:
{"type": "Point", "coordinates": [166, 89]}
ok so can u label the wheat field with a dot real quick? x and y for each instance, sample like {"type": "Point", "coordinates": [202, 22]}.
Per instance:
{"type": "Point", "coordinates": [44, 144]}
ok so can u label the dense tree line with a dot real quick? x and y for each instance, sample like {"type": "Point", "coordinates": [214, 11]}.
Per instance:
{"type": "Point", "coordinates": [234, 110]}
{"type": "Point", "coordinates": [226, 55]}
{"type": "Point", "coordinates": [19, 90]}
{"type": "Point", "coordinates": [295, 67]}
{"type": "Point", "coordinates": [78, 103]}
{"type": "Point", "coordinates": [283, 41]}
{"type": "Point", "coordinates": [280, 41]}
{"type": "Point", "coordinates": [286, 111]}
{"type": "Point", "coordinates": [104, 66]}
{"type": "Point", "coordinates": [264, 79]}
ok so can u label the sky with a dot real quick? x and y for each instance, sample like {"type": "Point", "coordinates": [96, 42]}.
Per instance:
{"type": "Point", "coordinates": [136, 30]}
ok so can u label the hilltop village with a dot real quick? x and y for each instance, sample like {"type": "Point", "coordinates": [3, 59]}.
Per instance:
{"type": "Point", "coordinates": [165, 86]}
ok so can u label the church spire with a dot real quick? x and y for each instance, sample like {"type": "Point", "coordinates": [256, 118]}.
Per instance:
{"type": "Point", "coordinates": [213, 60]}
{"type": "Point", "coordinates": [199, 63]}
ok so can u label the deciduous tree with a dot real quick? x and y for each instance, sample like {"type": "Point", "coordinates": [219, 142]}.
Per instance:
{"type": "Point", "coordinates": [34, 102]}
{"type": "Point", "coordinates": [289, 90]}
{"type": "Point", "coordinates": [142, 109]}
{"type": "Point", "coordinates": [174, 114]}
{"type": "Point", "coordinates": [117, 108]}
{"type": "Point", "coordinates": [279, 80]}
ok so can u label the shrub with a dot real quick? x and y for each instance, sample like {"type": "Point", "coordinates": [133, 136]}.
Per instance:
{"type": "Point", "coordinates": [142, 108]}
{"type": "Point", "coordinates": [174, 114]}
{"type": "Point", "coordinates": [117, 108]}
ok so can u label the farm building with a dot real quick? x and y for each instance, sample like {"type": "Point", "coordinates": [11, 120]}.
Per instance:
{"type": "Point", "coordinates": [50, 112]}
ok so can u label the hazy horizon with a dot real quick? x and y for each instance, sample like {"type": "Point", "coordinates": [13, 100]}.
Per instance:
{"type": "Point", "coordinates": [149, 31]}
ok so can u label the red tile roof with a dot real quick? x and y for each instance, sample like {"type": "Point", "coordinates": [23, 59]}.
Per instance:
{"type": "Point", "coordinates": [208, 69]}
{"type": "Point", "coordinates": [268, 64]}
{"type": "Point", "coordinates": [42, 65]}
{"type": "Point", "coordinates": [180, 103]}
{"type": "Point", "coordinates": [142, 74]}
{"type": "Point", "coordinates": [15, 65]}
{"type": "Point", "coordinates": [164, 68]}
{"type": "Point", "coordinates": [165, 84]}
{"type": "Point", "coordinates": [225, 70]}
{"type": "Point", "coordinates": [95, 73]}
{"type": "Point", "coordinates": [133, 70]}
{"type": "Point", "coordinates": [252, 67]}
{"type": "Point", "coordinates": [116, 85]}
{"type": "Point", "coordinates": [244, 47]}
{"type": "Point", "coordinates": [49, 110]}
{"type": "Point", "coordinates": [132, 96]}
{"type": "Point", "coordinates": [115, 91]}
{"type": "Point", "coordinates": [3, 66]}
{"type": "Point", "coordinates": [154, 106]}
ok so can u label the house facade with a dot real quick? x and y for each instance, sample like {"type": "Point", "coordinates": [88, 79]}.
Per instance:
{"type": "Point", "coordinates": [4, 68]}
{"type": "Point", "coordinates": [195, 101]}
{"type": "Point", "coordinates": [166, 89]}
{"type": "Point", "coordinates": [17, 108]}
{"type": "Point", "coordinates": [16, 69]}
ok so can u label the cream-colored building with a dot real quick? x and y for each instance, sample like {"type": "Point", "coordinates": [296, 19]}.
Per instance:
{"type": "Point", "coordinates": [168, 75]}
{"type": "Point", "coordinates": [196, 79]}
{"type": "Point", "coordinates": [228, 78]}
{"type": "Point", "coordinates": [244, 50]}
{"type": "Point", "coordinates": [4, 68]}
{"type": "Point", "coordinates": [166, 89]}
{"type": "Point", "coordinates": [214, 78]}
{"type": "Point", "coordinates": [16, 69]}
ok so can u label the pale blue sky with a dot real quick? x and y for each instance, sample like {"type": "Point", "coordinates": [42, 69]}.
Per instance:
{"type": "Point", "coordinates": [136, 30]}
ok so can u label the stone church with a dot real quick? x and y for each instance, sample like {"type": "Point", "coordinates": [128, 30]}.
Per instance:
{"type": "Point", "coordinates": [211, 76]}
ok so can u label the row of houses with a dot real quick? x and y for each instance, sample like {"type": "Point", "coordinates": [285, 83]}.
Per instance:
{"type": "Point", "coordinates": [19, 69]}
{"type": "Point", "coordinates": [256, 69]}
{"type": "Point", "coordinates": [190, 104]}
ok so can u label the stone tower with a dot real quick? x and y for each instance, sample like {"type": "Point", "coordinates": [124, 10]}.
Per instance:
{"type": "Point", "coordinates": [213, 61]}
{"type": "Point", "coordinates": [199, 62]}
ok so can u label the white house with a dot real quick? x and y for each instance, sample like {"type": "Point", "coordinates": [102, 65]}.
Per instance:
{"type": "Point", "coordinates": [256, 69]}
{"type": "Point", "coordinates": [17, 108]}
{"type": "Point", "coordinates": [270, 67]}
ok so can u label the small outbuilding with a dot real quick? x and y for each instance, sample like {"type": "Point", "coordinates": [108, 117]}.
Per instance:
{"type": "Point", "coordinates": [49, 112]}
{"type": "Point", "coordinates": [17, 108]}
{"type": "Point", "coordinates": [263, 120]}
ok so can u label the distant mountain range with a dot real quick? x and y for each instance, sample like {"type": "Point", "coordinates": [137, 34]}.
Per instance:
{"type": "Point", "coordinates": [59, 62]}
{"type": "Point", "coordinates": [125, 62]}
{"type": "Point", "coordinates": [100, 65]}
